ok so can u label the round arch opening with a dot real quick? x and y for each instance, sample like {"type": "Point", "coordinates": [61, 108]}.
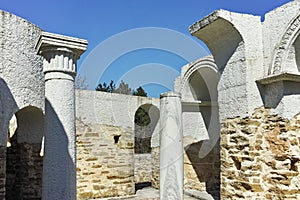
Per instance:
{"type": "Point", "coordinates": [145, 123]}
{"type": "Point", "coordinates": [24, 165]}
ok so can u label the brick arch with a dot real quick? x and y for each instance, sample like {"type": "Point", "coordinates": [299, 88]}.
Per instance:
{"type": "Point", "coordinates": [281, 51]}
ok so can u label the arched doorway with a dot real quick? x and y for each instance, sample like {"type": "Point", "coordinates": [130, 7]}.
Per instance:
{"type": "Point", "coordinates": [24, 165]}
{"type": "Point", "coordinates": [145, 125]}
{"type": "Point", "coordinates": [201, 127]}
{"type": "Point", "coordinates": [145, 121]}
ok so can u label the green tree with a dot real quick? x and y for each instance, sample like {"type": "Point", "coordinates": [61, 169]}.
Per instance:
{"type": "Point", "coordinates": [105, 87]}
{"type": "Point", "coordinates": [141, 117]}
{"type": "Point", "coordinates": [140, 92]}
{"type": "Point", "coordinates": [123, 88]}
{"type": "Point", "coordinates": [142, 140]}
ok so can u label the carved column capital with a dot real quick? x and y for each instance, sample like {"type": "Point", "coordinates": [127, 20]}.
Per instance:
{"type": "Point", "coordinates": [60, 52]}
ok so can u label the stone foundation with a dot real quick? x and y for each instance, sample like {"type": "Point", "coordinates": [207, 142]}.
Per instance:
{"type": "Point", "coordinates": [105, 161]}
{"type": "Point", "coordinates": [155, 167]}
{"type": "Point", "coordinates": [2, 171]}
{"type": "Point", "coordinates": [142, 140]}
{"type": "Point", "coordinates": [202, 174]}
{"type": "Point", "coordinates": [142, 168]}
{"type": "Point", "coordinates": [260, 157]}
{"type": "Point", "coordinates": [24, 168]}
{"type": "Point", "coordinates": [199, 174]}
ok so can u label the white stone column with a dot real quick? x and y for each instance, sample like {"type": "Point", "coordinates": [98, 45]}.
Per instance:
{"type": "Point", "coordinates": [171, 147]}
{"type": "Point", "coordinates": [59, 168]}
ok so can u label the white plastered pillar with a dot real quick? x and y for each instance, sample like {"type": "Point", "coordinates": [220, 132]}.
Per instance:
{"type": "Point", "coordinates": [171, 147]}
{"type": "Point", "coordinates": [59, 166]}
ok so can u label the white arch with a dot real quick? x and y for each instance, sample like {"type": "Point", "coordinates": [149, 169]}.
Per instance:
{"type": "Point", "coordinates": [287, 40]}
{"type": "Point", "coordinates": [204, 65]}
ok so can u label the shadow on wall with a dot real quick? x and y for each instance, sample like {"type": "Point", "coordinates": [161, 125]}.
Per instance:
{"type": "Point", "coordinates": [207, 168]}
{"type": "Point", "coordinates": [21, 165]}
{"type": "Point", "coordinates": [273, 94]}
{"type": "Point", "coordinates": [59, 168]}
{"type": "Point", "coordinates": [24, 164]}
{"type": "Point", "coordinates": [223, 43]}
{"type": "Point", "coordinates": [8, 107]}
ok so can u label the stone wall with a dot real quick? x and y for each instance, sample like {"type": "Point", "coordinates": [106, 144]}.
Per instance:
{"type": "Point", "coordinates": [155, 167]}
{"type": "Point", "coordinates": [105, 162]}
{"type": "Point", "coordinates": [202, 174]}
{"type": "Point", "coordinates": [260, 157]}
{"type": "Point", "coordinates": [142, 168]}
{"type": "Point", "coordinates": [18, 58]}
{"type": "Point", "coordinates": [24, 171]}
{"type": "Point", "coordinates": [142, 139]}
{"type": "Point", "coordinates": [105, 144]}
{"type": "Point", "coordinates": [199, 174]}
{"type": "Point", "coordinates": [2, 171]}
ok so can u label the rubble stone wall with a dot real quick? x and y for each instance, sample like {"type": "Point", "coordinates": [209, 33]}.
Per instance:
{"type": "Point", "coordinates": [202, 174]}
{"type": "Point", "coordinates": [155, 167]}
{"type": "Point", "coordinates": [24, 168]}
{"type": "Point", "coordinates": [2, 171]}
{"type": "Point", "coordinates": [142, 168]}
{"type": "Point", "coordinates": [105, 161]}
{"type": "Point", "coordinates": [260, 157]}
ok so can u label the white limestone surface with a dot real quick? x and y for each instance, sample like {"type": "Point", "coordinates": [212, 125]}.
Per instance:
{"type": "Point", "coordinates": [235, 41]}
{"type": "Point", "coordinates": [247, 48]}
{"type": "Point", "coordinates": [171, 147]}
{"type": "Point", "coordinates": [95, 107]}
{"type": "Point", "coordinates": [21, 70]}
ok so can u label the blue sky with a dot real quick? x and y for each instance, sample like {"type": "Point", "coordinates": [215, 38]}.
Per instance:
{"type": "Point", "coordinates": [100, 20]}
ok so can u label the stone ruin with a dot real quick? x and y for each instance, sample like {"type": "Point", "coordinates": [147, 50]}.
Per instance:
{"type": "Point", "coordinates": [231, 127]}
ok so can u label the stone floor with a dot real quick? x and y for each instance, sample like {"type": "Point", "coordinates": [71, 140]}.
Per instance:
{"type": "Point", "coordinates": [153, 194]}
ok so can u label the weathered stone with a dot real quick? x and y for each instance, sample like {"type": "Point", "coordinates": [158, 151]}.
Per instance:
{"type": "Point", "coordinates": [267, 169]}
{"type": "Point", "coordinates": [171, 147]}
{"type": "Point", "coordinates": [105, 172]}
{"type": "Point", "coordinates": [259, 153]}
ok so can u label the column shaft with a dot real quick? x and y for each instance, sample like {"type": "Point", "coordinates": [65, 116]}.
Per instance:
{"type": "Point", "coordinates": [59, 176]}
{"type": "Point", "coordinates": [171, 147]}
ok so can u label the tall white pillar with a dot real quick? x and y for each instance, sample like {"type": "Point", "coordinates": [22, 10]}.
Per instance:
{"type": "Point", "coordinates": [59, 168]}
{"type": "Point", "coordinates": [171, 147]}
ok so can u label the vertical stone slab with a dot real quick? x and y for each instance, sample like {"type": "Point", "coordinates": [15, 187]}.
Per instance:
{"type": "Point", "coordinates": [171, 147]}
{"type": "Point", "coordinates": [59, 169]}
